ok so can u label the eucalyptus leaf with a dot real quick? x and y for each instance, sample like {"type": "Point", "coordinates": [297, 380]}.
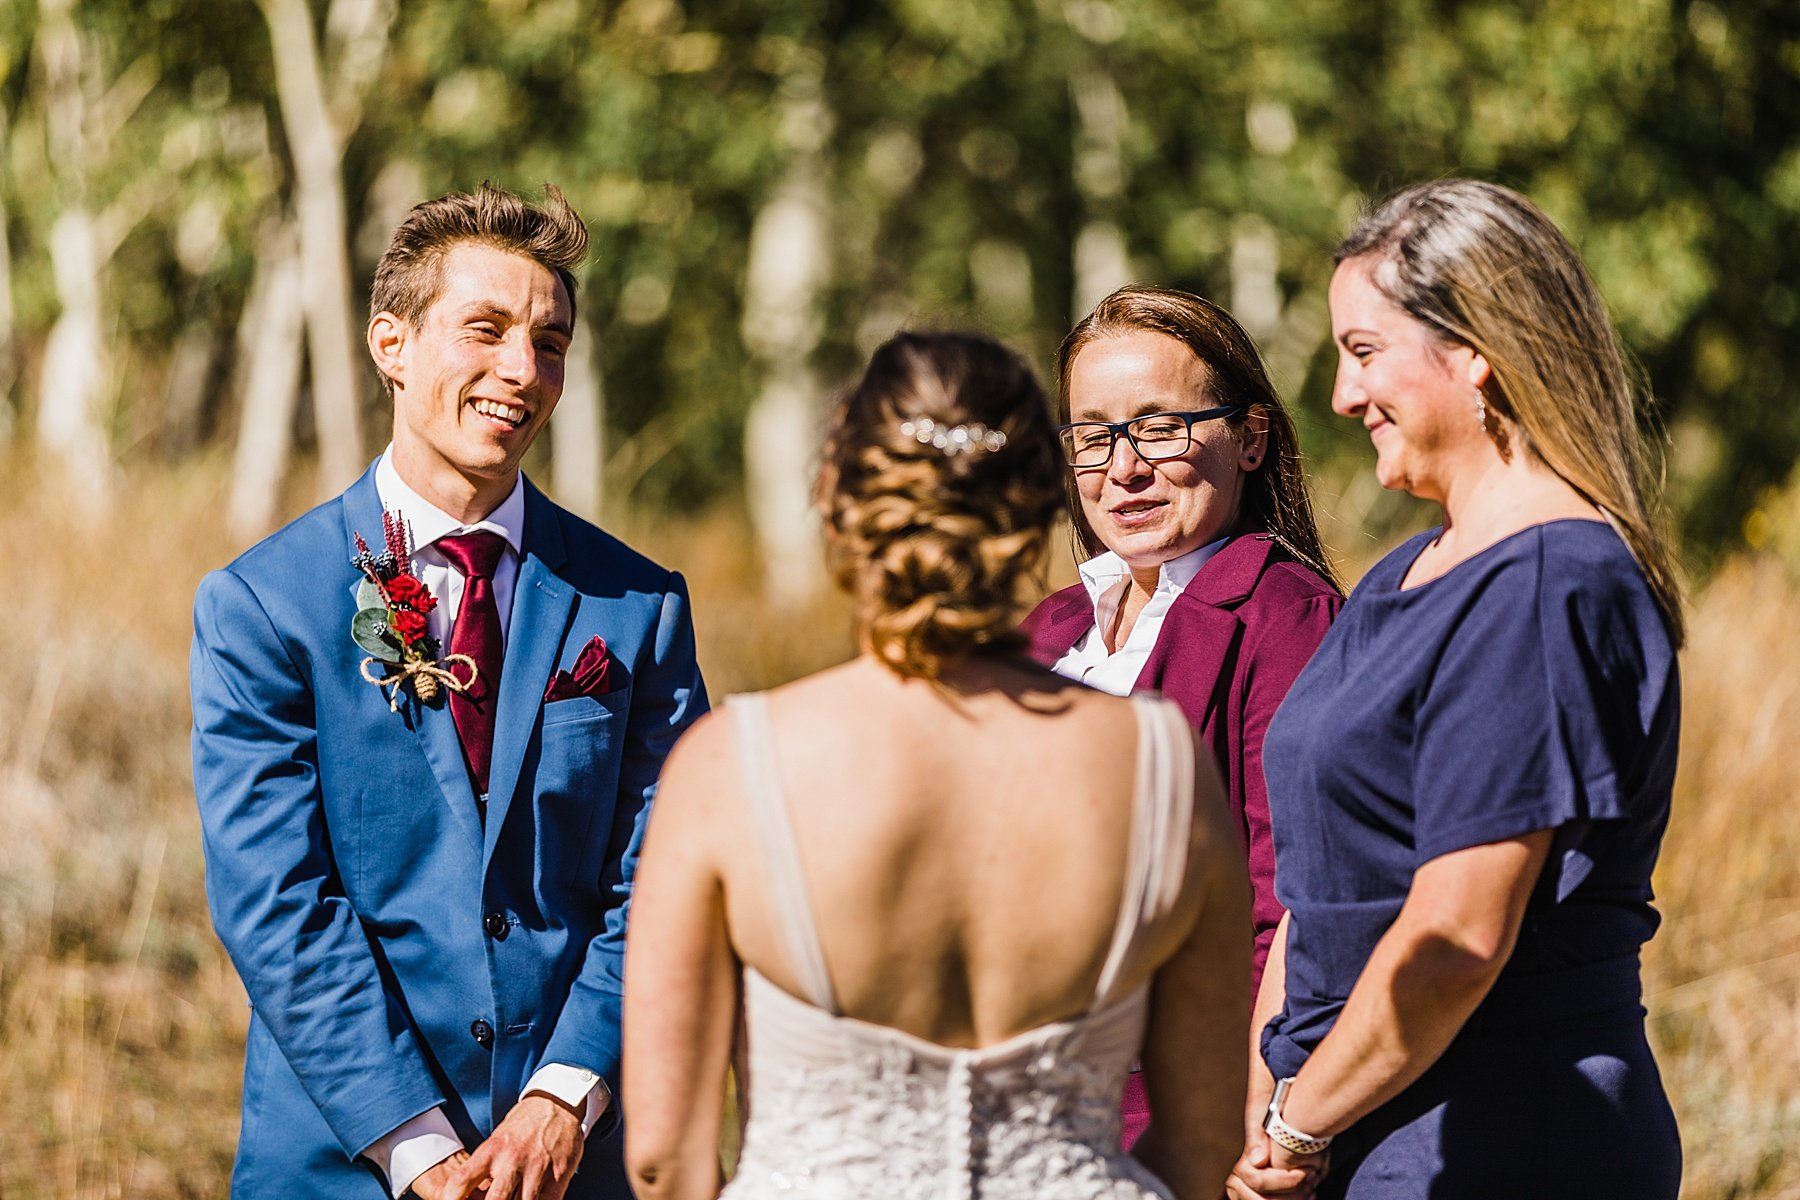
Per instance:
{"type": "Point", "coordinates": [369, 630]}
{"type": "Point", "coordinates": [368, 595]}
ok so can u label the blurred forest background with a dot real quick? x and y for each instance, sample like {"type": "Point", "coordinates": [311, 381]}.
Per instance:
{"type": "Point", "coordinates": [193, 194]}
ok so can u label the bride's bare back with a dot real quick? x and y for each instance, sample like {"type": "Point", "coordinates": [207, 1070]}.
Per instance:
{"type": "Point", "coordinates": [964, 851]}
{"type": "Point", "coordinates": [964, 848]}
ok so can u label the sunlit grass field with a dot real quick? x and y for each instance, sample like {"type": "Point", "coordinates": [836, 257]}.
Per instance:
{"type": "Point", "coordinates": [121, 1021]}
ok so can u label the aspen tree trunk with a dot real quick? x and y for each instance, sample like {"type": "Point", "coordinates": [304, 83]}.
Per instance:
{"type": "Point", "coordinates": [1255, 292]}
{"type": "Point", "coordinates": [8, 364]}
{"type": "Point", "coordinates": [268, 373]}
{"type": "Point", "coordinates": [72, 388]}
{"type": "Point", "coordinates": [177, 431]}
{"type": "Point", "coordinates": [1102, 262]}
{"type": "Point", "coordinates": [578, 435]}
{"type": "Point", "coordinates": [71, 422]}
{"type": "Point", "coordinates": [198, 240]}
{"type": "Point", "coordinates": [337, 384]}
{"type": "Point", "coordinates": [790, 262]}
{"type": "Point", "coordinates": [1288, 332]}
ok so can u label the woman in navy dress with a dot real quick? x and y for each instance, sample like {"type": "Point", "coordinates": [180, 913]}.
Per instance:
{"type": "Point", "coordinates": [1469, 782]}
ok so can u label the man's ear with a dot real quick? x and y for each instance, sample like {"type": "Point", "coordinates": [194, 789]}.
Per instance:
{"type": "Point", "coordinates": [387, 345]}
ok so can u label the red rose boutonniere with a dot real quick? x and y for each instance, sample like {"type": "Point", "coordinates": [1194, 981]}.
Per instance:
{"type": "Point", "coordinates": [390, 621]}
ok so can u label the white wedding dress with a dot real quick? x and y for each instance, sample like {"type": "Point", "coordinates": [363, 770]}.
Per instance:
{"type": "Point", "coordinates": [843, 1108]}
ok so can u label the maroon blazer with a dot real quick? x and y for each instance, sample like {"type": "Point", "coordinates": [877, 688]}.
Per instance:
{"type": "Point", "coordinates": [1230, 648]}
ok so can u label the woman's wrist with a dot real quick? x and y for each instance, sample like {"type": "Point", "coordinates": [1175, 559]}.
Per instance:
{"type": "Point", "coordinates": [1256, 1099]}
{"type": "Point", "coordinates": [1283, 1121]}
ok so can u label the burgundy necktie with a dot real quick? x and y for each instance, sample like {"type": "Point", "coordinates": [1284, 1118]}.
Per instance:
{"type": "Point", "coordinates": [477, 634]}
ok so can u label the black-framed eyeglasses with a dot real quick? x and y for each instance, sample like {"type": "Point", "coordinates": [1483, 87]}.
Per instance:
{"type": "Point", "coordinates": [1155, 436]}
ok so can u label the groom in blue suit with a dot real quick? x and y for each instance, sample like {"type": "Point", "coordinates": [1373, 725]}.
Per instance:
{"type": "Point", "coordinates": [426, 896]}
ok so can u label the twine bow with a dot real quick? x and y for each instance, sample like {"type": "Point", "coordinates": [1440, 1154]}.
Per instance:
{"type": "Point", "coordinates": [424, 676]}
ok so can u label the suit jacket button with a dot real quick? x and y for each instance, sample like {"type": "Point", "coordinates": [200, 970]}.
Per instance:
{"type": "Point", "coordinates": [495, 924]}
{"type": "Point", "coordinates": [483, 1032]}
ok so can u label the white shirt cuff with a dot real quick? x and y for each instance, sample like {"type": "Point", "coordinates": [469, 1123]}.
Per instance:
{"type": "Point", "coordinates": [413, 1149]}
{"type": "Point", "coordinates": [577, 1087]}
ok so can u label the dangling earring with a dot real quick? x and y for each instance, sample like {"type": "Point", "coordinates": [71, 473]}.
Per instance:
{"type": "Point", "coordinates": [1495, 431]}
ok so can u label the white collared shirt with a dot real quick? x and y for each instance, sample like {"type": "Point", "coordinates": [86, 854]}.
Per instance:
{"type": "Point", "coordinates": [429, 523]}
{"type": "Point", "coordinates": [428, 1139]}
{"type": "Point", "coordinates": [1106, 577]}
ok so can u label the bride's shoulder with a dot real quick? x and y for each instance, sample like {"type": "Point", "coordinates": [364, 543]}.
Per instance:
{"type": "Point", "coordinates": [702, 763]}
{"type": "Point", "coordinates": [1065, 725]}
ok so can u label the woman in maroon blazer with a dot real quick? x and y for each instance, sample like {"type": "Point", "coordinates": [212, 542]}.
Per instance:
{"type": "Point", "coordinates": [1203, 576]}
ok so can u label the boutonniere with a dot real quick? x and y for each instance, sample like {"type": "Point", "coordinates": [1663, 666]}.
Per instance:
{"type": "Point", "coordinates": [390, 624]}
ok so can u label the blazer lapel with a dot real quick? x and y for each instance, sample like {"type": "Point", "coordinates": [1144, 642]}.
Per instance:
{"type": "Point", "coordinates": [1189, 654]}
{"type": "Point", "coordinates": [1055, 625]}
{"type": "Point", "coordinates": [1230, 575]}
{"type": "Point", "coordinates": [1201, 629]}
{"type": "Point", "coordinates": [542, 604]}
{"type": "Point", "coordinates": [432, 726]}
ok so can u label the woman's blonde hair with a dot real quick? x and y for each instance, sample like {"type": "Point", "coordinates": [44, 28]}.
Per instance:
{"type": "Point", "coordinates": [1275, 500]}
{"type": "Point", "coordinates": [935, 538]}
{"type": "Point", "coordinates": [1482, 266]}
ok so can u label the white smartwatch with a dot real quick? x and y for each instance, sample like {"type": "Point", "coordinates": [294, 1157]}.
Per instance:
{"type": "Point", "coordinates": [1285, 1135]}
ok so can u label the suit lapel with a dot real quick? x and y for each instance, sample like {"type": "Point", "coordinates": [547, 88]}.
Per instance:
{"type": "Point", "coordinates": [432, 726]}
{"type": "Point", "coordinates": [542, 604]}
{"type": "Point", "coordinates": [362, 514]}
{"type": "Point", "coordinates": [436, 732]}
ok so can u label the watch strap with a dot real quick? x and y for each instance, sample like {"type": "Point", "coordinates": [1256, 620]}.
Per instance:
{"type": "Point", "coordinates": [1285, 1135]}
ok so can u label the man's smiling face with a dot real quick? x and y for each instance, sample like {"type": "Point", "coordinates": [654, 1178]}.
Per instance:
{"type": "Point", "coordinates": [479, 374]}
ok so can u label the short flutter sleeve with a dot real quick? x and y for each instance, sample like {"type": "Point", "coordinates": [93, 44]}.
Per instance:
{"type": "Point", "coordinates": [1539, 711]}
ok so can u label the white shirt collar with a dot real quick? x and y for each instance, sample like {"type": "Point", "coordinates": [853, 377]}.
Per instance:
{"type": "Point", "coordinates": [429, 522]}
{"type": "Point", "coordinates": [1105, 571]}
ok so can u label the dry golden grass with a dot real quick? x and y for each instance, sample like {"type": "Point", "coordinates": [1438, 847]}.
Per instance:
{"type": "Point", "coordinates": [1723, 976]}
{"type": "Point", "coordinates": [120, 1018]}
{"type": "Point", "coordinates": [121, 1022]}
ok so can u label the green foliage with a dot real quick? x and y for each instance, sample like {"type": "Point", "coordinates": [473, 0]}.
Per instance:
{"type": "Point", "coordinates": [1660, 133]}
{"type": "Point", "coordinates": [368, 629]}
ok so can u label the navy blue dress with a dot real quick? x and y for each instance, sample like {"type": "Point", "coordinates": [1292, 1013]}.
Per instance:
{"type": "Point", "coordinates": [1532, 686]}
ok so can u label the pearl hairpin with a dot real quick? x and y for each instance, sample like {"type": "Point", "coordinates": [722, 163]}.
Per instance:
{"type": "Point", "coordinates": [953, 439]}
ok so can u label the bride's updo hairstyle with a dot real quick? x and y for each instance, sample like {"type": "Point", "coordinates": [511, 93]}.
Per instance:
{"type": "Point", "coordinates": [940, 480]}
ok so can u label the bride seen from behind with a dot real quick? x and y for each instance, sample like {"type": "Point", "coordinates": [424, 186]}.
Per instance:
{"type": "Point", "coordinates": [954, 894]}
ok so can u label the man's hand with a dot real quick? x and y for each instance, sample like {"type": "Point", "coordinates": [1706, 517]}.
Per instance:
{"type": "Point", "coordinates": [1268, 1170]}
{"type": "Point", "coordinates": [431, 1185]}
{"type": "Point", "coordinates": [531, 1156]}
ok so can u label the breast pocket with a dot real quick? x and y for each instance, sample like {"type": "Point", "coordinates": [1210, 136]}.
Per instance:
{"type": "Point", "coordinates": [587, 708]}
{"type": "Point", "coordinates": [582, 746]}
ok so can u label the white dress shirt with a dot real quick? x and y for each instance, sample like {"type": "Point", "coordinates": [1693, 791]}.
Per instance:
{"type": "Point", "coordinates": [1106, 577]}
{"type": "Point", "coordinates": [428, 1139]}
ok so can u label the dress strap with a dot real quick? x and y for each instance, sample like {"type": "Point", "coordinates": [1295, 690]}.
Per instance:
{"type": "Point", "coordinates": [1162, 816]}
{"type": "Point", "coordinates": [781, 855]}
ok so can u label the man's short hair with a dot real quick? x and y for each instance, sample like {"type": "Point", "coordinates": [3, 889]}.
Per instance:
{"type": "Point", "coordinates": [410, 275]}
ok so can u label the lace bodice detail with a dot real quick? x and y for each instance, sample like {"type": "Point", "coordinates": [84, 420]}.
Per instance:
{"type": "Point", "coordinates": [843, 1108]}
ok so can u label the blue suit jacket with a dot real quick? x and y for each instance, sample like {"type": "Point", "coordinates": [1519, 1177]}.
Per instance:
{"type": "Point", "coordinates": [353, 881]}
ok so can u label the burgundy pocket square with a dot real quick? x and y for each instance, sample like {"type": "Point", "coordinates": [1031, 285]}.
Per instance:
{"type": "Point", "coordinates": [587, 679]}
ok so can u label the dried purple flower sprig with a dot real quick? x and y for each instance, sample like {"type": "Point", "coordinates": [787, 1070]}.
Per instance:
{"type": "Point", "coordinates": [399, 540]}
